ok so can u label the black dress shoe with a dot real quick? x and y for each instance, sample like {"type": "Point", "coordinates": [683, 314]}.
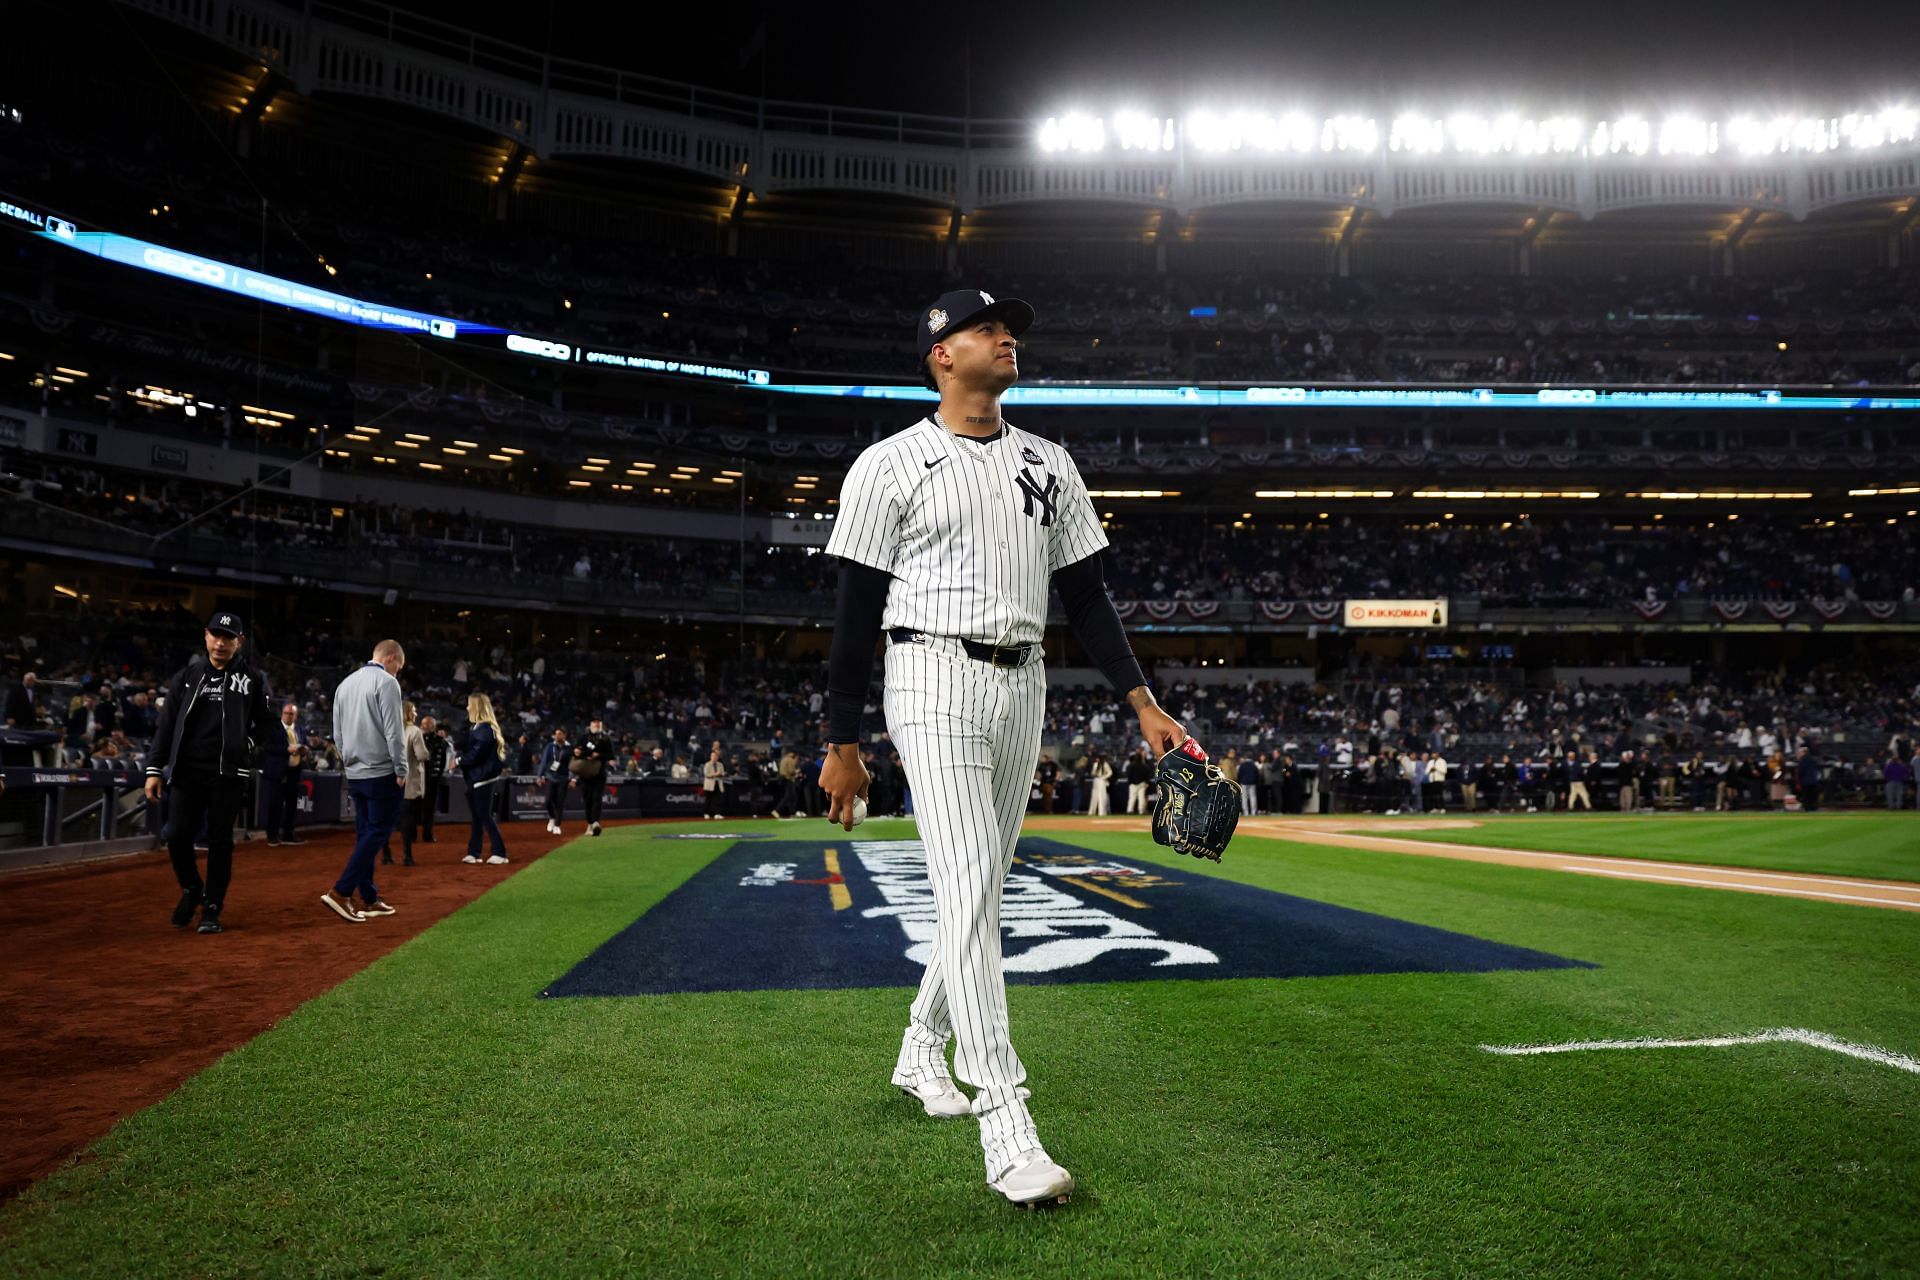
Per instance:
{"type": "Point", "coordinates": [183, 914]}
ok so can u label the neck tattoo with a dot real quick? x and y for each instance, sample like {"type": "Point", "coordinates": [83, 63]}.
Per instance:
{"type": "Point", "coordinates": [969, 420]}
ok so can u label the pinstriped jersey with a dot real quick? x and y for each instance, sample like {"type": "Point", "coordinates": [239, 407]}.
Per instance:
{"type": "Point", "coordinates": [971, 530]}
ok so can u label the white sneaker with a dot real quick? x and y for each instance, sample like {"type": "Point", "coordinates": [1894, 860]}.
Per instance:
{"type": "Point", "coordinates": [470, 858]}
{"type": "Point", "coordinates": [1032, 1178]}
{"type": "Point", "coordinates": [553, 828]}
{"type": "Point", "coordinates": [496, 861]}
{"type": "Point", "coordinates": [344, 908]}
{"type": "Point", "coordinates": [939, 1097]}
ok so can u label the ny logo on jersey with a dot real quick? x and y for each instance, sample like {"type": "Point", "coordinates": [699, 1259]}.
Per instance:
{"type": "Point", "coordinates": [242, 685]}
{"type": "Point", "coordinates": [1031, 493]}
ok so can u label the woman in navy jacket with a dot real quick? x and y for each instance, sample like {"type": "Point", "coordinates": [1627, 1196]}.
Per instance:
{"type": "Point", "coordinates": [482, 764]}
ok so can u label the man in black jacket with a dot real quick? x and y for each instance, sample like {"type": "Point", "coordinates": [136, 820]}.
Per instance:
{"type": "Point", "coordinates": [438, 748]}
{"type": "Point", "coordinates": [1139, 772]}
{"type": "Point", "coordinates": [23, 710]}
{"type": "Point", "coordinates": [595, 749]}
{"type": "Point", "coordinates": [217, 709]}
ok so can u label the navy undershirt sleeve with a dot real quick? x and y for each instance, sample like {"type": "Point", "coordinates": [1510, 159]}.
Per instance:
{"type": "Point", "coordinates": [1090, 612]}
{"type": "Point", "coordinates": [857, 610]}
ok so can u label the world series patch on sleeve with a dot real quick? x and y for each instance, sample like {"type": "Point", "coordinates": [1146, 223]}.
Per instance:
{"type": "Point", "coordinates": [1198, 806]}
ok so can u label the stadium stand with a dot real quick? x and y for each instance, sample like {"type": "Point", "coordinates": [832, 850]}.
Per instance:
{"type": "Point", "coordinates": [546, 525]}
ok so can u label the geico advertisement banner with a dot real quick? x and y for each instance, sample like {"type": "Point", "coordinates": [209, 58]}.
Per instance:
{"type": "Point", "coordinates": [1395, 613]}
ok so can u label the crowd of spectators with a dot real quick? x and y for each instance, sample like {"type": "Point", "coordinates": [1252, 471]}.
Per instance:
{"type": "Point", "coordinates": [97, 681]}
{"type": "Point", "coordinates": [1539, 561]}
{"type": "Point", "coordinates": [1594, 560]}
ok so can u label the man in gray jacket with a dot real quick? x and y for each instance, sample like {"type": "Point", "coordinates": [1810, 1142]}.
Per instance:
{"type": "Point", "coordinates": [369, 732]}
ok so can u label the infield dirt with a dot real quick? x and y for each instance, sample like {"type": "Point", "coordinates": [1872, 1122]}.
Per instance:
{"type": "Point", "coordinates": [1357, 833]}
{"type": "Point", "coordinates": [109, 1009]}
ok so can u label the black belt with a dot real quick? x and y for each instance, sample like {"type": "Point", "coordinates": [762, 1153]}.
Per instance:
{"type": "Point", "coordinates": [1000, 655]}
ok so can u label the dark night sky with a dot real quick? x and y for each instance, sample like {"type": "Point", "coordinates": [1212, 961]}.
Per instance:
{"type": "Point", "coordinates": [1592, 57]}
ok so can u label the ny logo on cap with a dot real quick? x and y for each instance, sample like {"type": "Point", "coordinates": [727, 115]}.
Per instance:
{"type": "Point", "coordinates": [986, 297]}
{"type": "Point", "coordinates": [225, 619]}
{"type": "Point", "coordinates": [936, 320]}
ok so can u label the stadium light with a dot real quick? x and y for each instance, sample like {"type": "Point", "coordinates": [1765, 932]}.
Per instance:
{"type": "Point", "coordinates": [1470, 133]}
{"type": "Point", "coordinates": [1323, 493]}
{"type": "Point", "coordinates": [1631, 135]}
{"type": "Point", "coordinates": [1720, 495]}
{"type": "Point", "coordinates": [1470, 494]}
{"type": "Point", "coordinates": [1422, 135]}
{"type": "Point", "coordinates": [1073, 132]}
{"type": "Point", "coordinates": [1137, 131]}
{"type": "Point", "coordinates": [1686, 136]}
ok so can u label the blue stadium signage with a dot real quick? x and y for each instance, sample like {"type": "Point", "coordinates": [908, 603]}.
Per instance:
{"type": "Point", "coordinates": [1197, 397]}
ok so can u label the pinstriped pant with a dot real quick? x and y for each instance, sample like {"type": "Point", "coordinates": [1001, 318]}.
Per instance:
{"type": "Point", "coordinates": [969, 736]}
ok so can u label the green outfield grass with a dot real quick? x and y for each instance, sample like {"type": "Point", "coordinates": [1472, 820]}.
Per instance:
{"type": "Point", "coordinates": [1884, 845]}
{"type": "Point", "coordinates": [431, 1116]}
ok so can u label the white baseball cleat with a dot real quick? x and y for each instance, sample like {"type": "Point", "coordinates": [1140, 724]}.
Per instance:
{"type": "Point", "coordinates": [496, 861]}
{"type": "Point", "coordinates": [939, 1097]}
{"type": "Point", "coordinates": [1034, 1178]}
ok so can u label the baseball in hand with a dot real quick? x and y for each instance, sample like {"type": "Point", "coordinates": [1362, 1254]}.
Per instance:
{"type": "Point", "coordinates": [859, 810]}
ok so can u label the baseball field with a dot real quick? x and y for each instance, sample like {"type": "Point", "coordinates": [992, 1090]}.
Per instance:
{"type": "Point", "coordinates": [665, 1052]}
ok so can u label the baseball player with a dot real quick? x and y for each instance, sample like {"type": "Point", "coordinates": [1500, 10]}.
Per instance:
{"type": "Point", "coordinates": [948, 535]}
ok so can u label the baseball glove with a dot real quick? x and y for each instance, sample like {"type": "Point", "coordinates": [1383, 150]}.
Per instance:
{"type": "Point", "coordinates": [1197, 806]}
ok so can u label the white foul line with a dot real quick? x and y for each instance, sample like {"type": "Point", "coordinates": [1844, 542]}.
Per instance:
{"type": "Point", "coordinates": [1625, 874]}
{"type": "Point", "coordinates": [1780, 1035]}
{"type": "Point", "coordinates": [1554, 855]}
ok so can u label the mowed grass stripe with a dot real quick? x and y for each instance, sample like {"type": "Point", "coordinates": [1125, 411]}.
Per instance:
{"type": "Point", "coordinates": [1874, 845]}
{"type": "Point", "coordinates": [432, 1116]}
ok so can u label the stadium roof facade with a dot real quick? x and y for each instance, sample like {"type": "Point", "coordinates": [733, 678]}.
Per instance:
{"type": "Point", "coordinates": [1557, 165]}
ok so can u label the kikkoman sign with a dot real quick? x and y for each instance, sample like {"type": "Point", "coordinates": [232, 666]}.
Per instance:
{"type": "Point", "coordinates": [1431, 614]}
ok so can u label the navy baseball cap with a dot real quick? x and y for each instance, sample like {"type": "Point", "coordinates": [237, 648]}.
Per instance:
{"type": "Point", "coordinates": [227, 623]}
{"type": "Point", "coordinates": [963, 306]}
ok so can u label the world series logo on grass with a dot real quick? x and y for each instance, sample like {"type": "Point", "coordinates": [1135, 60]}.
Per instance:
{"type": "Point", "coordinates": [799, 915]}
